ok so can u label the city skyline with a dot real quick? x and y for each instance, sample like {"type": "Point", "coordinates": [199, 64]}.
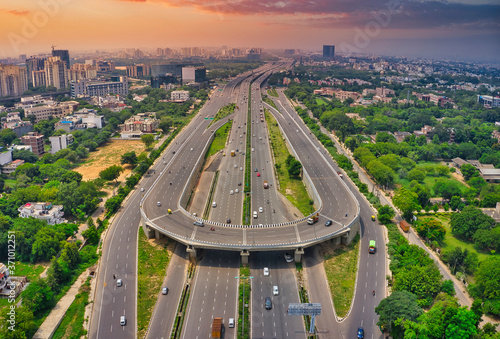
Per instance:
{"type": "Point", "coordinates": [435, 29]}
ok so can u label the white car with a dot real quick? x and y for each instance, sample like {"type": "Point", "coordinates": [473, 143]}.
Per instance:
{"type": "Point", "coordinates": [235, 166]}
{"type": "Point", "coordinates": [275, 290]}
{"type": "Point", "coordinates": [255, 214]}
{"type": "Point", "coordinates": [261, 210]}
{"type": "Point", "coordinates": [288, 257]}
{"type": "Point", "coordinates": [253, 149]}
{"type": "Point", "coordinates": [158, 203]}
{"type": "Point", "coordinates": [123, 321]}
{"type": "Point", "coordinates": [231, 192]}
{"type": "Point", "coordinates": [241, 168]}
{"type": "Point", "coordinates": [237, 190]}
{"type": "Point", "coordinates": [214, 204]}
{"type": "Point", "coordinates": [266, 271]}
{"type": "Point", "coordinates": [119, 283]}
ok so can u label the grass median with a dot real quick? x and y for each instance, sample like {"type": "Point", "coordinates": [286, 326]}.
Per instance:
{"type": "Point", "coordinates": [243, 302]}
{"type": "Point", "coordinates": [154, 256]}
{"type": "Point", "coordinates": [220, 138]}
{"type": "Point", "coordinates": [293, 189]}
{"type": "Point", "coordinates": [272, 92]}
{"type": "Point", "coordinates": [223, 112]}
{"type": "Point", "coordinates": [341, 266]}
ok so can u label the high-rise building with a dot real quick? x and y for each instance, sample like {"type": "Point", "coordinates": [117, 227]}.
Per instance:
{"type": "Point", "coordinates": [140, 70]}
{"type": "Point", "coordinates": [55, 72]}
{"type": "Point", "coordinates": [38, 78]}
{"type": "Point", "coordinates": [33, 64]}
{"type": "Point", "coordinates": [13, 80]}
{"type": "Point", "coordinates": [329, 51]}
{"type": "Point", "coordinates": [81, 71]}
{"type": "Point", "coordinates": [63, 54]}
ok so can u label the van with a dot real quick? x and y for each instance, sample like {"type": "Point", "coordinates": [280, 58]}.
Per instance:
{"type": "Point", "coordinates": [231, 323]}
{"type": "Point", "coordinates": [123, 321]}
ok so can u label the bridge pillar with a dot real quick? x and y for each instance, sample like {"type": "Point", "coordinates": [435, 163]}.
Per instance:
{"type": "Point", "coordinates": [244, 257]}
{"type": "Point", "coordinates": [192, 252]}
{"type": "Point", "coordinates": [158, 235]}
{"type": "Point", "coordinates": [148, 231]}
{"type": "Point", "coordinates": [298, 253]}
{"type": "Point", "coordinates": [336, 241]}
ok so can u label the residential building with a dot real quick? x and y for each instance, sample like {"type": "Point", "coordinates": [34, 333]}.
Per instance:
{"type": "Point", "coordinates": [35, 141]}
{"type": "Point", "coordinates": [13, 80]}
{"type": "Point", "coordinates": [5, 156]}
{"type": "Point", "coordinates": [90, 118]}
{"type": "Point", "coordinates": [86, 88]}
{"type": "Point", "coordinates": [139, 124]}
{"type": "Point", "coordinates": [344, 95]}
{"type": "Point", "coordinates": [488, 101]}
{"type": "Point", "coordinates": [384, 92]}
{"type": "Point", "coordinates": [52, 214]}
{"type": "Point", "coordinates": [11, 167]}
{"type": "Point", "coordinates": [63, 55]}
{"type": "Point", "coordinates": [13, 121]}
{"type": "Point", "coordinates": [4, 277]}
{"type": "Point", "coordinates": [105, 66]}
{"type": "Point", "coordinates": [56, 72]}
{"type": "Point", "coordinates": [179, 96]}
{"type": "Point", "coordinates": [400, 136]}
{"type": "Point", "coordinates": [34, 64]}
{"type": "Point", "coordinates": [56, 111]}
{"type": "Point", "coordinates": [328, 51]}
{"type": "Point", "coordinates": [490, 174]}
{"type": "Point", "coordinates": [60, 142]}
{"type": "Point", "coordinates": [81, 71]}
{"type": "Point", "coordinates": [38, 78]}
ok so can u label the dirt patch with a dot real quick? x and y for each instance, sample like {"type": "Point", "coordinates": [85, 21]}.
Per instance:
{"type": "Point", "coordinates": [107, 156]}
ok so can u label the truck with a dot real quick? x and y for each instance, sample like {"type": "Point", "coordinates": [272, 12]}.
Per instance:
{"type": "Point", "coordinates": [266, 185]}
{"type": "Point", "coordinates": [404, 225]}
{"type": "Point", "coordinates": [372, 247]}
{"type": "Point", "coordinates": [232, 153]}
{"type": "Point", "coordinates": [313, 219]}
{"type": "Point", "coordinates": [217, 328]}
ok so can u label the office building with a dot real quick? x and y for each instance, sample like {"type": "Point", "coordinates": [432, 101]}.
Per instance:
{"type": "Point", "coordinates": [173, 69]}
{"type": "Point", "coordinates": [56, 72]}
{"type": "Point", "coordinates": [329, 51]}
{"type": "Point", "coordinates": [86, 88]}
{"type": "Point", "coordinates": [194, 74]}
{"type": "Point", "coordinates": [35, 141]}
{"type": "Point", "coordinates": [140, 70]}
{"type": "Point", "coordinates": [60, 142]}
{"type": "Point", "coordinates": [63, 54]}
{"type": "Point", "coordinates": [160, 80]}
{"type": "Point", "coordinates": [13, 80]}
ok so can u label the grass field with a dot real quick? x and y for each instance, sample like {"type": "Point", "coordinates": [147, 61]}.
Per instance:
{"type": "Point", "coordinates": [223, 112]}
{"type": "Point", "coordinates": [272, 92]}
{"type": "Point", "coordinates": [219, 142]}
{"type": "Point", "coordinates": [293, 189]}
{"type": "Point", "coordinates": [10, 182]}
{"type": "Point", "coordinates": [320, 101]}
{"type": "Point", "coordinates": [154, 256]}
{"type": "Point", "coordinates": [450, 241]}
{"type": "Point", "coordinates": [429, 180]}
{"type": "Point", "coordinates": [72, 324]}
{"type": "Point", "coordinates": [341, 267]}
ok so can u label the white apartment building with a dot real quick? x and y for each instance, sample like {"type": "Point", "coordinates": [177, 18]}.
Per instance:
{"type": "Point", "coordinates": [60, 142]}
{"type": "Point", "coordinates": [52, 214]}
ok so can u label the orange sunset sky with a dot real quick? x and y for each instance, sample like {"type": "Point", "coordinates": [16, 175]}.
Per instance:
{"type": "Point", "coordinates": [465, 28]}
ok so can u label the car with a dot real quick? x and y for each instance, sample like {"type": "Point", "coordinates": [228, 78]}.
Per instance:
{"type": "Point", "coordinates": [214, 204]}
{"type": "Point", "coordinates": [258, 174]}
{"type": "Point", "coordinates": [198, 223]}
{"type": "Point", "coordinates": [239, 183]}
{"type": "Point", "coordinates": [123, 321]}
{"type": "Point", "coordinates": [253, 149]}
{"type": "Point", "coordinates": [261, 210]}
{"type": "Point", "coordinates": [119, 283]}
{"type": "Point", "coordinates": [241, 168]}
{"type": "Point", "coordinates": [142, 189]}
{"type": "Point", "coordinates": [266, 271]}
{"type": "Point", "coordinates": [255, 214]}
{"type": "Point", "coordinates": [173, 152]}
{"type": "Point", "coordinates": [254, 135]}
{"type": "Point", "coordinates": [158, 203]}
{"type": "Point", "coordinates": [297, 131]}
{"type": "Point", "coordinates": [228, 220]}
{"type": "Point", "coordinates": [235, 166]}
{"type": "Point", "coordinates": [275, 290]}
{"type": "Point", "coordinates": [255, 170]}
{"type": "Point", "coordinates": [260, 138]}
{"type": "Point", "coordinates": [361, 333]}
{"type": "Point", "coordinates": [328, 223]}
{"type": "Point", "coordinates": [230, 323]}
{"type": "Point", "coordinates": [268, 304]}
{"type": "Point", "coordinates": [236, 190]}
{"type": "Point", "coordinates": [288, 257]}
{"type": "Point", "coordinates": [231, 192]}
{"type": "Point", "coordinates": [191, 148]}
{"type": "Point", "coordinates": [164, 291]}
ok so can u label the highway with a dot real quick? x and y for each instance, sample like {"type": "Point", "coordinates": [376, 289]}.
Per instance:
{"type": "Point", "coordinates": [371, 270]}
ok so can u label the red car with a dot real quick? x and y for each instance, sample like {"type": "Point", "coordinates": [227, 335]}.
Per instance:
{"type": "Point", "coordinates": [258, 174]}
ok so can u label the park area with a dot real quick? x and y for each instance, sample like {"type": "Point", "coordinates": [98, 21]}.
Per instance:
{"type": "Point", "coordinates": [107, 156]}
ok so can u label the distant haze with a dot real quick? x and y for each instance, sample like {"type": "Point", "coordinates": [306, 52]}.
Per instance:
{"type": "Point", "coordinates": [452, 29]}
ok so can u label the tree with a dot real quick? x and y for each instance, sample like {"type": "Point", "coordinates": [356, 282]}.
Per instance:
{"type": "Point", "coordinates": [406, 201]}
{"type": "Point", "coordinates": [400, 304]}
{"type": "Point", "coordinates": [7, 136]}
{"type": "Point", "coordinates": [91, 233]}
{"type": "Point", "coordinates": [70, 255]}
{"type": "Point", "coordinates": [447, 188]}
{"type": "Point", "coordinates": [469, 171]}
{"type": "Point", "coordinates": [165, 124]}
{"type": "Point", "coordinates": [467, 222]}
{"type": "Point", "coordinates": [423, 281]}
{"type": "Point", "coordinates": [385, 214]}
{"type": "Point", "coordinates": [111, 173]}
{"type": "Point", "coordinates": [461, 325]}
{"type": "Point", "coordinates": [129, 158]}
{"type": "Point", "coordinates": [383, 174]}
{"type": "Point", "coordinates": [431, 229]}
{"type": "Point", "coordinates": [416, 174]}
{"type": "Point", "coordinates": [460, 260]}
{"type": "Point", "coordinates": [38, 296]}
{"type": "Point", "coordinates": [455, 202]}
{"type": "Point", "coordinates": [55, 274]}
{"type": "Point", "coordinates": [147, 139]}
{"type": "Point", "coordinates": [25, 326]}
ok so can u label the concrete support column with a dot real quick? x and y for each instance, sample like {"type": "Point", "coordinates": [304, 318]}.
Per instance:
{"type": "Point", "coordinates": [336, 241]}
{"type": "Point", "coordinates": [148, 231]}
{"type": "Point", "coordinates": [192, 252]}
{"type": "Point", "coordinates": [244, 257]}
{"type": "Point", "coordinates": [158, 235]}
{"type": "Point", "coordinates": [298, 253]}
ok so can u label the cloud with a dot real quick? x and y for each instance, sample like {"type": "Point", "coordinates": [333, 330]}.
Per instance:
{"type": "Point", "coordinates": [14, 12]}
{"type": "Point", "coordinates": [406, 14]}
